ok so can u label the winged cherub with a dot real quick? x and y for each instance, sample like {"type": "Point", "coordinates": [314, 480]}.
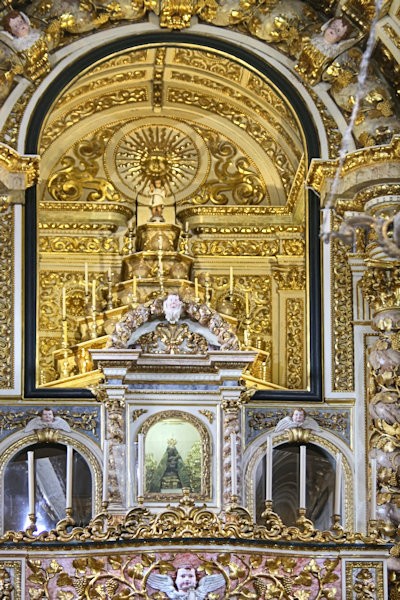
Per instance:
{"type": "Point", "coordinates": [185, 586]}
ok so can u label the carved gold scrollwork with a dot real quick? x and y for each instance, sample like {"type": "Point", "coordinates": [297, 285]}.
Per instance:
{"type": "Point", "coordinates": [6, 300]}
{"type": "Point", "coordinates": [173, 339]}
{"type": "Point", "coordinates": [79, 172]}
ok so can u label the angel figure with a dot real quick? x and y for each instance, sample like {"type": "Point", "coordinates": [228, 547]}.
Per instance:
{"type": "Point", "coordinates": [31, 45]}
{"type": "Point", "coordinates": [297, 419]}
{"type": "Point", "coordinates": [336, 36]}
{"type": "Point", "coordinates": [186, 586]}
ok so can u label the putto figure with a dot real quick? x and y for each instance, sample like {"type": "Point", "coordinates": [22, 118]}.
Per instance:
{"type": "Point", "coordinates": [157, 201]}
{"type": "Point", "coordinates": [173, 307]}
{"type": "Point", "coordinates": [297, 419]}
{"type": "Point", "coordinates": [18, 27]}
{"type": "Point", "coordinates": [186, 586]}
{"type": "Point", "coordinates": [47, 420]}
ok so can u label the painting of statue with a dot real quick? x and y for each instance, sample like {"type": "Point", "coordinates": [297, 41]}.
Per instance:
{"type": "Point", "coordinates": [173, 457]}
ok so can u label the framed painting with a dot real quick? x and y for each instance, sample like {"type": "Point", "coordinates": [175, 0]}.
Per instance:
{"type": "Point", "coordinates": [177, 456]}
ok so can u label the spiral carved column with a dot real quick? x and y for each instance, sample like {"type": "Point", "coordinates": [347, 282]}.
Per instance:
{"type": "Point", "coordinates": [231, 408]}
{"type": "Point", "coordinates": [381, 287]}
{"type": "Point", "coordinates": [116, 434]}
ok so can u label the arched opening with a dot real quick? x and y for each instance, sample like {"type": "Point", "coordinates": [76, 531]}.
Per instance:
{"type": "Point", "coordinates": [319, 484]}
{"type": "Point", "coordinates": [262, 113]}
{"type": "Point", "coordinates": [50, 488]}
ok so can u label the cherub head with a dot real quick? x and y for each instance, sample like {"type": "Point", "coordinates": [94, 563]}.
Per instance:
{"type": "Point", "coordinates": [16, 23]}
{"type": "Point", "coordinates": [185, 579]}
{"type": "Point", "coordinates": [47, 415]}
{"type": "Point", "coordinates": [335, 30]}
{"type": "Point", "coordinates": [298, 416]}
{"type": "Point", "coordinates": [173, 307]}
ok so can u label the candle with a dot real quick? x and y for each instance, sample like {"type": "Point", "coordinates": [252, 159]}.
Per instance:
{"type": "Point", "coordinates": [196, 287]}
{"type": "Point", "coordinates": [338, 484]}
{"type": "Point", "coordinates": [68, 487]}
{"type": "Point", "coordinates": [302, 476]}
{"type": "Point", "coordinates": [94, 294]}
{"type": "Point", "coordinates": [65, 331]}
{"type": "Point", "coordinates": [105, 470]}
{"type": "Point", "coordinates": [233, 465]}
{"type": "Point", "coordinates": [186, 226]}
{"type": "Point", "coordinates": [109, 273]}
{"type": "Point", "coordinates": [373, 489]}
{"type": "Point", "coordinates": [134, 286]}
{"type": "Point", "coordinates": [64, 303]}
{"type": "Point", "coordinates": [231, 280]}
{"type": "Point", "coordinates": [31, 483]}
{"type": "Point", "coordinates": [160, 243]}
{"type": "Point", "coordinates": [140, 471]}
{"type": "Point", "coordinates": [86, 279]}
{"type": "Point", "coordinates": [247, 304]}
{"type": "Point", "coordinates": [268, 471]}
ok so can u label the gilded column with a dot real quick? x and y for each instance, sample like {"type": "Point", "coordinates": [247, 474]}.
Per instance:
{"type": "Point", "coordinates": [381, 287]}
{"type": "Point", "coordinates": [17, 173]}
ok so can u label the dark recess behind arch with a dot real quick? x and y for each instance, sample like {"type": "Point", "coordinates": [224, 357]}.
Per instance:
{"type": "Point", "coordinates": [32, 139]}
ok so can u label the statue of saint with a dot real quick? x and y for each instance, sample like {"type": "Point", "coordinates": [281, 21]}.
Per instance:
{"type": "Point", "coordinates": [157, 201]}
{"type": "Point", "coordinates": [171, 474]}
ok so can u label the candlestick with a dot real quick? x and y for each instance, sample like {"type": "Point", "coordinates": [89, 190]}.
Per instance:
{"type": "Point", "coordinates": [247, 305]}
{"type": "Point", "coordinates": [160, 264]}
{"type": "Point", "coordinates": [105, 470]}
{"type": "Point", "coordinates": [134, 287]}
{"type": "Point", "coordinates": [64, 303]}
{"type": "Point", "coordinates": [186, 226]}
{"type": "Point", "coordinates": [233, 465]}
{"type": "Point", "coordinates": [268, 471]}
{"type": "Point", "coordinates": [94, 294]}
{"type": "Point", "coordinates": [65, 332]}
{"type": "Point", "coordinates": [31, 483]}
{"type": "Point", "coordinates": [109, 274]}
{"type": "Point", "coordinates": [373, 489]}
{"type": "Point", "coordinates": [86, 279]}
{"type": "Point", "coordinates": [207, 284]}
{"type": "Point", "coordinates": [231, 281]}
{"type": "Point", "coordinates": [196, 288]}
{"type": "Point", "coordinates": [303, 477]}
{"type": "Point", "coordinates": [140, 471]}
{"type": "Point", "coordinates": [160, 243]}
{"type": "Point", "coordinates": [68, 490]}
{"type": "Point", "coordinates": [338, 484]}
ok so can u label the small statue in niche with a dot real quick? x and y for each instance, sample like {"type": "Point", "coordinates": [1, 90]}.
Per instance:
{"type": "Point", "coordinates": [171, 473]}
{"type": "Point", "coordinates": [186, 585]}
{"type": "Point", "coordinates": [157, 201]}
{"type": "Point", "coordinates": [47, 420]}
{"type": "Point", "coordinates": [297, 419]}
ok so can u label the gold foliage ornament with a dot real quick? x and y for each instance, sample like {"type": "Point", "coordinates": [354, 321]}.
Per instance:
{"type": "Point", "coordinates": [80, 172]}
{"type": "Point", "coordinates": [232, 574]}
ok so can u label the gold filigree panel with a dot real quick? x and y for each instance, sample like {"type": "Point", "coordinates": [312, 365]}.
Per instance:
{"type": "Point", "coordinates": [6, 300]}
{"type": "Point", "coordinates": [342, 315]}
{"type": "Point", "coordinates": [295, 343]}
{"type": "Point", "coordinates": [242, 119]}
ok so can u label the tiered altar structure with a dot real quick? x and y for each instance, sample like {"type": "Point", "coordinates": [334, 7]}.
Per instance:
{"type": "Point", "coordinates": [199, 368]}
